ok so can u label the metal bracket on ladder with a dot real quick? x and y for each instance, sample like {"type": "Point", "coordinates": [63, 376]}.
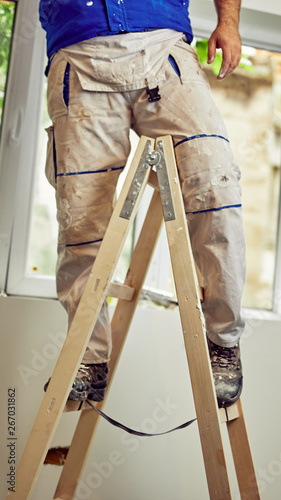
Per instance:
{"type": "Point", "coordinates": [154, 158]}
{"type": "Point", "coordinates": [137, 182]}
{"type": "Point", "coordinates": [167, 204]}
{"type": "Point", "coordinates": [158, 159]}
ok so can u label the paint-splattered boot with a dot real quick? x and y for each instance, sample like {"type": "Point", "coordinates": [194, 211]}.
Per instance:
{"type": "Point", "coordinates": [227, 373]}
{"type": "Point", "coordinates": [90, 382]}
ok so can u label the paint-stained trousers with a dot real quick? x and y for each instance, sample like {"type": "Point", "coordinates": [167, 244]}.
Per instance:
{"type": "Point", "coordinates": [87, 150]}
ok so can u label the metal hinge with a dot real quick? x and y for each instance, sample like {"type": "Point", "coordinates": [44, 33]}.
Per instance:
{"type": "Point", "coordinates": [157, 159]}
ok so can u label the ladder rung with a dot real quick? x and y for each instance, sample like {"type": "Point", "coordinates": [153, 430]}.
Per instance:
{"type": "Point", "coordinates": [230, 413]}
{"type": "Point", "coordinates": [75, 406]}
{"type": "Point", "coordinates": [119, 291]}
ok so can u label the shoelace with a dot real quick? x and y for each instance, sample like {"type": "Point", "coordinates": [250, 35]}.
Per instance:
{"type": "Point", "coordinates": [224, 355]}
{"type": "Point", "coordinates": [89, 371]}
{"type": "Point", "coordinates": [84, 370]}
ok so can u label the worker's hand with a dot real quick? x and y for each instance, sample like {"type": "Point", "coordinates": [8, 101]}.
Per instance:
{"type": "Point", "coordinates": [227, 38]}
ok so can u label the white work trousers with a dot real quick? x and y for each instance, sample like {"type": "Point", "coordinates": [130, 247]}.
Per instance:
{"type": "Point", "coordinates": [88, 148]}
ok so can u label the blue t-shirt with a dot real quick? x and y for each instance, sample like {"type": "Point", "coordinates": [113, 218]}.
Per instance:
{"type": "Point", "coordinates": [71, 21]}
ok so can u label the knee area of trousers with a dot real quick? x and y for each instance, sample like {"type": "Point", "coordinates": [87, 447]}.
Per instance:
{"type": "Point", "coordinates": [210, 156]}
{"type": "Point", "coordinates": [214, 188]}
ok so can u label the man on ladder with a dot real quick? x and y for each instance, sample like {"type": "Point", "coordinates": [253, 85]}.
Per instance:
{"type": "Point", "coordinates": [115, 65]}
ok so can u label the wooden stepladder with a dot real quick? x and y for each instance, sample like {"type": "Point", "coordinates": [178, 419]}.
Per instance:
{"type": "Point", "coordinates": [158, 168]}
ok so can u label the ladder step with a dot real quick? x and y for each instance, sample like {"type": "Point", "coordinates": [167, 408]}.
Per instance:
{"type": "Point", "coordinates": [120, 291]}
{"type": "Point", "coordinates": [56, 456]}
{"type": "Point", "coordinates": [76, 405]}
{"type": "Point", "coordinates": [230, 413]}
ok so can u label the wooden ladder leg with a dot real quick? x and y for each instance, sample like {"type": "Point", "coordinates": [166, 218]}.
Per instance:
{"type": "Point", "coordinates": [80, 331]}
{"type": "Point", "coordinates": [120, 324]}
{"type": "Point", "coordinates": [242, 456]}
{"type": "Point", "coordinates": [194, 334]}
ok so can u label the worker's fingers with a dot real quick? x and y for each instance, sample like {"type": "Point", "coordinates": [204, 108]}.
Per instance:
{"type": "Point", "coordinates": [231, 55]}
{"type": "Point", "coordinates": [228, 64]}
{"type": "Point", "coordinates": [211, 49]}
{"type": "Point", "coordinates": [230, 43]}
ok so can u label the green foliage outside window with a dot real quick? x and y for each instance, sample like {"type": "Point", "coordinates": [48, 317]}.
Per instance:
{"type": "Point", "coordinates": [201, 47]}
{"type": "Point", "coordinates": [7, 11]}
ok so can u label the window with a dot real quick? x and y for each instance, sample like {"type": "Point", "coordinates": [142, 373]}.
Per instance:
{"type": "Point", "coordinates": [18, 150]}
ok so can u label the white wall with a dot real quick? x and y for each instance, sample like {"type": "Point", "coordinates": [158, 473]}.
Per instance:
{"type": "Point", "coordinates": [153, 372]}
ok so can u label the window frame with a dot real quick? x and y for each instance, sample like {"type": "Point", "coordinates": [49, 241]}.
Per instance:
{"type": "Point", "coordinates": [18, 155]}
{"type": "Point", "coordinates": [21, 120]}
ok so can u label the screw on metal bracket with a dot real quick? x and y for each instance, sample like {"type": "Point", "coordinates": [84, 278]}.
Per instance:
{"type": "Point", "coordinates": [153, 158]}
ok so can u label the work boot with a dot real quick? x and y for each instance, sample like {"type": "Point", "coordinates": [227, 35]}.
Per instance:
{"type": "Point", "coordinates": [89, 383]}
{"type": "Point", "coordinates": [227, 373]}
